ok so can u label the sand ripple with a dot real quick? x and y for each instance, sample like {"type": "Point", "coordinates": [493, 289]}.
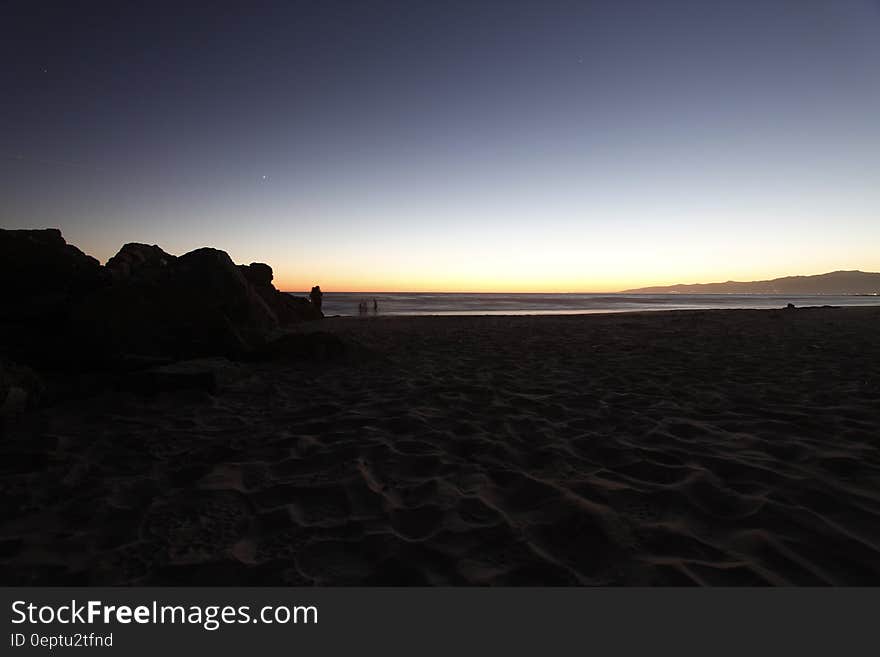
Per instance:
{"type": "Point", "coordinates": [721, 447]}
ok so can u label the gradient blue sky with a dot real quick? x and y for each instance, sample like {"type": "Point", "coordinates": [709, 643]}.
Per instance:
{"type": "Point", "coordinates": [525, 146]}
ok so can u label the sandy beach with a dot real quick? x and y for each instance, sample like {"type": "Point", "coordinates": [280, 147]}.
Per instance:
{"type": "Point", "coordinates": [676, 448]}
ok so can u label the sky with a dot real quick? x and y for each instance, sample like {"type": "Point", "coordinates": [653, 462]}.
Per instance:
{"type": "Point", "coordinates": [452, 146]}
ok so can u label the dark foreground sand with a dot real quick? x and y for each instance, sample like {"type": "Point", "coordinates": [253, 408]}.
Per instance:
{"type": "Point", "coordinates": [709, 447]}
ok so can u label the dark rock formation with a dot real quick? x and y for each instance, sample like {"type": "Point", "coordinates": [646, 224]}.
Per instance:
{"type": "Point", "coordinates": [43, 278]}
{"type": "Point", "coordinates": [138, 259]}
{"type": "Point", "coordinates": [199, 305]}
{"type": "Point", "coordinates": [64, 311]}
{"type": "Point", "coordinates": [293, 309]}
{"type": "Point", "coordinates": [258, 274]}
{"type": "Point", "coordinates": [316, 297]}
{"type": "Point", "coordinates": [42, 274]}
{"type": "Point", "coordinates": [287, 308]}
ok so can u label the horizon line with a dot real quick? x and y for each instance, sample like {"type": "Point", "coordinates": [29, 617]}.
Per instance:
{"type": "Point", "coordinates": [632, 290]}
{"type": "Point", "coordinates": [805, 294]}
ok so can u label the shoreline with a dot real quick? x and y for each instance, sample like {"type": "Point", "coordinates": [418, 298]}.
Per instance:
{"type": "Point", "coordinates": [398, 304]}
{"type": "Point", "coordinates": [578, 313]}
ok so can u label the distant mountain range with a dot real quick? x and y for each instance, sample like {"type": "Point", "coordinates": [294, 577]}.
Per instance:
{"type": "Point", "coordinates": [835, 282]}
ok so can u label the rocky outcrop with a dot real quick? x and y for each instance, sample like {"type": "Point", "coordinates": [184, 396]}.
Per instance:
{"type": "Point", "coordinates": [291, 309]}
{"type": "Point", "coordinates": [43, 278]}
{"type": "Point", "coordinates": [43, 275]}
{"type": "Point", "coordinates": [316, 297]}
{"type": "Point", "coordinates": [287, 308]}
{"type": "Point", "coordinates": [199, 304]}
{"type": "Point", "coordinates": [141, 260]}
{"type": "Point", "coordinates": [63, 310]}
{"type": "Point", "coordinates": [258, 274]}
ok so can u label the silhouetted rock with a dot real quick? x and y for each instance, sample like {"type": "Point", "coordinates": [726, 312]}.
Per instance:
{"type": "Point", "coordinates": [201, 304]}
{"type": "Point", "coordinates": [138, 259]}
{"type": "Point", "coordinates": [42, 274]}
{"type": "Point", "coordinates": [258, 274]}
{"type": "Point", "coordinates": [291, 309]}
{"type": "Point", "coordinates": [287, 308]}
{"type": "Point", "coordinates": [64, 311]}
{"type": "Point", "coordinates": [316, 297]}
{"type": "Point", "coordinates": [43, 280]}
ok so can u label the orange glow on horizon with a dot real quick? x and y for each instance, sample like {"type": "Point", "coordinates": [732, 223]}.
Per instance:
{"type": "Point", "coordinates": [573, 266]}
{"type": "Point", "coordinates": [460, 286]}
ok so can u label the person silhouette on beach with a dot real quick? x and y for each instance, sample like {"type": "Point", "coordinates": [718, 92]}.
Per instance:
{"type": "Point", "coordinates": [316, 297]}
{"type": "Point", "coordinates": [375, 306]}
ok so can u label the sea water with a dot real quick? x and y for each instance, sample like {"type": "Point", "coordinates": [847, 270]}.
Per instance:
{"type": "Point", "coordinates": [451, 303]}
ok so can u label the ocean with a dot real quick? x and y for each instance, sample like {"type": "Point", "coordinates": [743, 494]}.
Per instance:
{"type": "Point", "coordinates": [412, 303]}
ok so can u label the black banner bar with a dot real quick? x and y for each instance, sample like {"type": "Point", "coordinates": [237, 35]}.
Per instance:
{"type": "Point", "coordinates": [415, 621]}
